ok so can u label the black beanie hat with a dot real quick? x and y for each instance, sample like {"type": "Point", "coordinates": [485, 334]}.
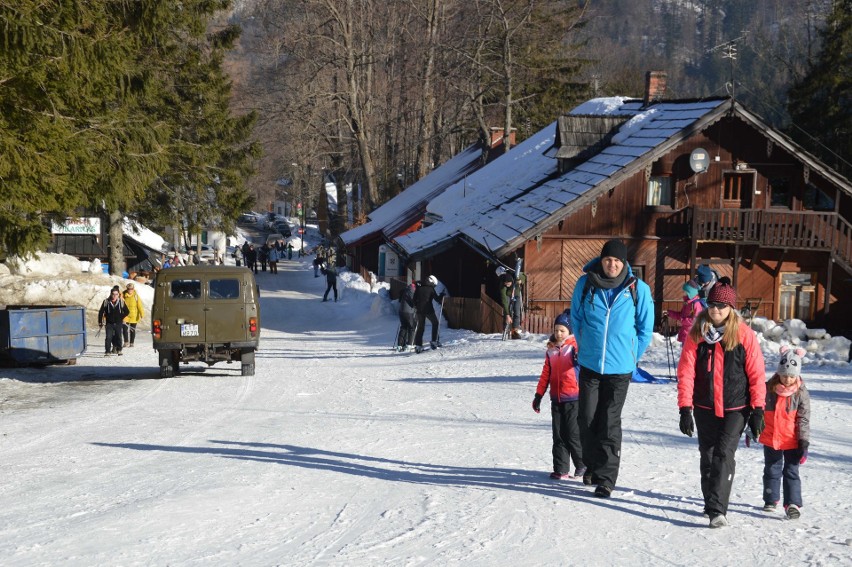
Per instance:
{"type": "Point", "coordinates": [616, 249]}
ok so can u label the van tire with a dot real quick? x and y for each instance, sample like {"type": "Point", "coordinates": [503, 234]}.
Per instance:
{"type": "Point", "coordinates": [247, 363]}
{"type": "Point", "coordinates": [167, 366]}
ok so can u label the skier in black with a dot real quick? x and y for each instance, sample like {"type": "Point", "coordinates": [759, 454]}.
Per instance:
{"type": "Point", "coordinates": [407, 318]}
{"type": "Point", "coordinates": [330, 272]}
{"type": "Point", "coordinates": [424, 295]}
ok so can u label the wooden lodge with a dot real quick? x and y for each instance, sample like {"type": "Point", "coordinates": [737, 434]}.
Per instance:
{"type": "Point", "coordinates": [681, 182]}
{"type": "Point", "coordinates": [777, 227]}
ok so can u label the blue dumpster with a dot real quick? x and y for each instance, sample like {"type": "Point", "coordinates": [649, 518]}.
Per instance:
{"type": "Point", "coordinates": [42, 334]}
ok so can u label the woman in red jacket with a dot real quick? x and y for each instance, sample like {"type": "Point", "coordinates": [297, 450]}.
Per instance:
{"type": "Point", "coordinates": [560, 373]}
{"type": "Point", "coordinates": [721, 377]}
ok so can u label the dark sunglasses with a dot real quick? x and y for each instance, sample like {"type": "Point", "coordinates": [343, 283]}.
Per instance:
{"type": "Point", "coordinates": [717, 305]}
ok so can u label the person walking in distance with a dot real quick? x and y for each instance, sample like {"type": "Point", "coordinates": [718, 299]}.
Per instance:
{"type": "Point", "coordinates": [112, 313]}
{"type": "Point", "coordinates": [720, 378]}
{"type": "Point", "coordinates": [424, 295]}
{"type": "Point", "coordinates": [612, 316]}
{"type": "Point", "coordinates": [273, 254]}
{"type": "Point", "coordinates": [135, 312]}
{"type": "Point", "coordinates": [330, 272]}
{"type": "Point", "coordinates": [251, 258]}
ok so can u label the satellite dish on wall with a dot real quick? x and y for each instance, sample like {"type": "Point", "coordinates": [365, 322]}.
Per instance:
{"type": "Point", "coordinates": [699, 160]}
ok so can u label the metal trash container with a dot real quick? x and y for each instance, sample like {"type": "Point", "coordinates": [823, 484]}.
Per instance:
{"type": "Point", "coordinates": [42, 334]}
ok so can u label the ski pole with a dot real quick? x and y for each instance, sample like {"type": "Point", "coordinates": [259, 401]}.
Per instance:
{"type": "Point", "coordinates": [440, 312]}
{"type": "Point", "coordinates": [669, 348]}
{"type": "Point", "coordinates": [396, 336]}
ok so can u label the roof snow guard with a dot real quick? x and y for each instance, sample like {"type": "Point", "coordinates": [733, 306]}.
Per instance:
{"type": "Point", "coordinates": [522, 193]}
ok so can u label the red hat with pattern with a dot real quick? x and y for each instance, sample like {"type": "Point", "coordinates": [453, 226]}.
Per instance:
{"type": "Point", "coordinates": [723, 292]}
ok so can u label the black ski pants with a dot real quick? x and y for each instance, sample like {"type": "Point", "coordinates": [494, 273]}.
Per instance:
{"type": "Point", "coordinates": [112, 342]}
{"type": "Point", "coordinates": [332, 285]}
{"type": "Point", "coordinates": [602, 398]}
{"type": "Point", "coordinates": [566, 436]}
{"type": "Point", "coordinates": [421, 326]}
{"type": "Point", "coordinates": [407, 325]}
{"type": "Point", "coordinates": [718, 438]}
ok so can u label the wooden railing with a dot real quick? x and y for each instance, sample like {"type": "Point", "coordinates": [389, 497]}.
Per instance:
{"type": "Point", "coordinates": [842, 247]}
{"type": "Point", "coordinates": [803, 230]}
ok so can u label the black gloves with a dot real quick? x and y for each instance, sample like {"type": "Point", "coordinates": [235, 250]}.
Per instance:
{"type": "Point", "coordinates": [687, 425]}
{"type": "Point", "coordinates": [756, 423]}
{"type": "Point", "coordinates": [536, 405]}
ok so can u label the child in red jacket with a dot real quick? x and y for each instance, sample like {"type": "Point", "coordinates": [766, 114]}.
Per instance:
{"type": "Point", "coordinates": [692, 306]}
{"type": "Point", "coordinates": [787, 435]}
{"type": "Point", "coordinates": [560, 374]}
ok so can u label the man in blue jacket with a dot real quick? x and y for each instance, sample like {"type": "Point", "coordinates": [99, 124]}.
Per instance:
{"type": "Point", "coordinates": [612, 315]}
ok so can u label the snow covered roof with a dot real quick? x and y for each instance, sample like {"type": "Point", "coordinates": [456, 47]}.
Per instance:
{"type": "Point", "coordinates": [403, 210]}
{"type": "Point", "coordinates": [143, 235]}
{"type": "Point", "coordinates": [502, 204]}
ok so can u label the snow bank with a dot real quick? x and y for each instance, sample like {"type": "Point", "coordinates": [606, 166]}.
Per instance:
{"type": "Point", "coordinates": [819, 344]}
{"type": "Point", "coordinates": [57, 279]}
{"type": "Point", "coordinates": [45, 264]}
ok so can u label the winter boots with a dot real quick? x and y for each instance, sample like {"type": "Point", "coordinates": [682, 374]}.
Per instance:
{"type": "Point", "coordinates": [603, 491]}
{"type": "Point", "coordinates": [718, 521]}
{"type": "Point", "coordinates": [793, 512]}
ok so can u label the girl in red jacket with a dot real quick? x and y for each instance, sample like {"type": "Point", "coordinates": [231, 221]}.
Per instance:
{"type": "Point", "coordinates": [692, 306]}
{"type": "Point", "coordinates": [721, 376]}
{"type": "Point", "coordinates": [560, 373]}
{"type": "Point", "coordinates": [787, 434]}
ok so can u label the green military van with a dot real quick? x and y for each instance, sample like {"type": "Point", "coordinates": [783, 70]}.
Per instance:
{"type": "Point", "coordinates": [205, 313]}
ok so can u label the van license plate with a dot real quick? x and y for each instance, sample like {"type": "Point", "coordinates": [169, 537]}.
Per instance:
{"type": "Point", "coordinates": [189, 330]}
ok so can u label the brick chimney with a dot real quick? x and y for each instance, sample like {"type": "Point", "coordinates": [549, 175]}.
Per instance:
{"type": "Point", "coordinates": [497, 137]}
{"type": "Point", "coordinates": [655, 86]}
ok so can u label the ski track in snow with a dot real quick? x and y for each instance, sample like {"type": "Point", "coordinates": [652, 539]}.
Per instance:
{"type": "Point", "coordinates": [341, 452]}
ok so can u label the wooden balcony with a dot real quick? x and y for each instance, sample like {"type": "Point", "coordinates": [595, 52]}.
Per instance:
{"type": "Point", "coordinates": [794, 230]}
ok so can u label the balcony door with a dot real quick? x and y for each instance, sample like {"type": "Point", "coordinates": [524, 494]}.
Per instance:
{"type": "Point", "coordinates": [737, 190]}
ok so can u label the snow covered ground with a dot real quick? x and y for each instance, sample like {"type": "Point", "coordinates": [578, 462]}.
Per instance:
{"type": "Point", "coordinates": [340, 452]}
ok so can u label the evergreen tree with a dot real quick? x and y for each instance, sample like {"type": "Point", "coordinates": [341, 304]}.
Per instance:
{"type": "Point", "coordinates": [64, 68]}
{"type": "Point", "coordinates": [821, 102]}
{"type": "Point", "coordinates": [210, 155]}
{"type": "Point", "coordinates": [97, 102]}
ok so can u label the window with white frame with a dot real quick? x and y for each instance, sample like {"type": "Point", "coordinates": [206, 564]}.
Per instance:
{"type": "Point", "coordinates": [660, 192]}
{"type": "Point", "coordinates": [797, 296]}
